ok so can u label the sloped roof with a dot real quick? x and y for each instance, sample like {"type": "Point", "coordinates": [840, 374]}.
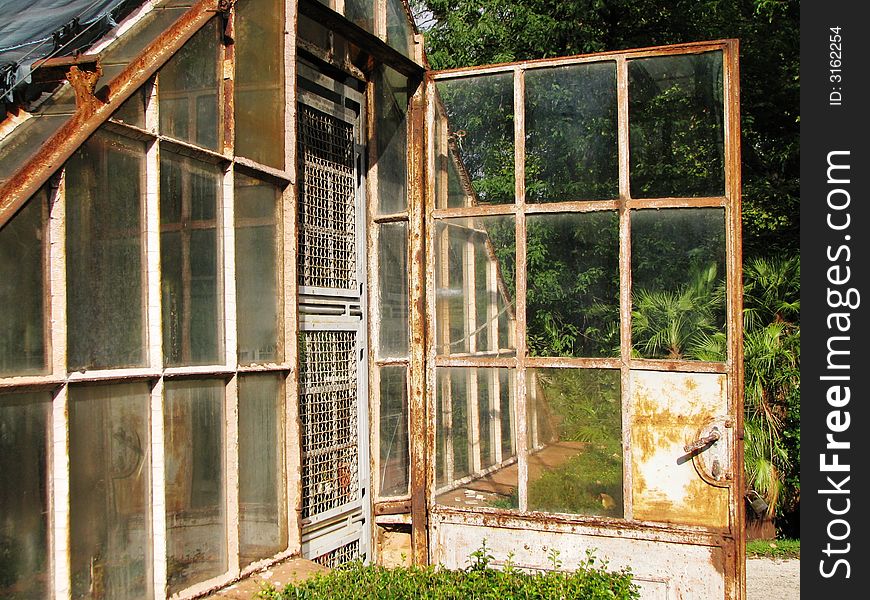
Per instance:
{"type": "Point", "coordinates": [31, 30]}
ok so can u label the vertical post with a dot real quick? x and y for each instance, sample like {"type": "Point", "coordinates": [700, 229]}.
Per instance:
{"type": "Point", "coordinates": [59, 438]}
{"type": "Point", "coordinates": [289, 198]}
{"type": "Point", "coordinates": [520, 334]}
{"type": "Point", "coordinates": [158, 492]}
{"type": "Point", "coordinates": [624, 279]}
{"type": "Point", "coordinates": [419, 430]}
{"type": "Point", "coordinates": [734, 253]}
{"type": "Point", "coordinates": [470, 325]}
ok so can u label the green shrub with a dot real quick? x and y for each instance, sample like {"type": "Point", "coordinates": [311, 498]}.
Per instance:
{"type": "Point", "coordinates": [352, 581]}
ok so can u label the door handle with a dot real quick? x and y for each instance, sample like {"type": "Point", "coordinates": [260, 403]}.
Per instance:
{"type": "Point", "coordinates": [703, 442]}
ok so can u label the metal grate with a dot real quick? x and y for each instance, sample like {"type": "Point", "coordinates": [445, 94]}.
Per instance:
{"type": "Point", "coordinates": [327, 201]}
{"type": "Point", "coordinates": [328, 412]}
{"type": "Point", "coordinates": [340, 556]}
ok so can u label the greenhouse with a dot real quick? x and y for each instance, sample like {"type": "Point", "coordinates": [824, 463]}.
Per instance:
{"type": "Point", "coordinates": [270, 287]}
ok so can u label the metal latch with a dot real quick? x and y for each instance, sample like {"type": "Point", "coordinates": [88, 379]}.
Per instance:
{"type": "Point", "coordinates": [704, 441]}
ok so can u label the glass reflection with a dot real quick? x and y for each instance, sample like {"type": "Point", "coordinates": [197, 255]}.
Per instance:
{"type": "Point", "coordinates": [678, 284]}
{"type": "Point", "coordinates": [475, 275]}
{"type": "Point", "coordinates": [677, 126]}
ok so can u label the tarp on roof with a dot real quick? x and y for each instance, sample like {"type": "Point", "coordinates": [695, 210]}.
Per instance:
{"type": "Point", "coordinates": [35, 29]}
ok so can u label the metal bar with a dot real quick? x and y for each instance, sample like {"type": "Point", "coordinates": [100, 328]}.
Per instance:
{"type": "Point", "coordinates": [60, 494]}
{"type": "Point", "coordinates": [289, 296]}
{"type": "Point", "coordinates": [88, 117]}
{"type": "Point", "coordinates": [733, 188]}
{"type": "Point", "coordinates": [158, 491]}
{"type": "Point", "coordinates": [475, 361]}
{"type": "Point", "coordinates": [625, 285]}
{"type": "Point", "coordinates": [477, 210]}
{"type": "Point", "coordinates": [379, 50]}
{"type": "Point", "coordinates": [401, 217]}
{"type": "Point", "coordinates": [579, 206]}
{"type": "Point", "coordinates": [636, 203]}
{"type": "Point", "coordinates": [392, 507]}
{"type": "Point", "coordinates": [520, 300]}
{"type": "Point", "coordinates": [679, 366]}
{"type": "Point", "coordinates": [419, 190]}
{"type": "Point", "coordinates": [277, 176]}
{"type": "Point", "coordinates": [688, 48]}
{"type": "Point", "coordinates": [539, 362]}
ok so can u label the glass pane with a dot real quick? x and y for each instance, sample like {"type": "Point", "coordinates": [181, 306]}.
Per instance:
{"type": "Point", "coordinates": [395, 452]}
{"type": "Point", "coordinates": [475, 464]}
{"type": "Point", "coordinates": [361, 12]}
{"type": "Point", "coordinates": [574, 425]}
{"type": "Point", "coordinates": [188, 91]}
{"type": "Point", "coordinates": [104, 254]}
{"type": "Point", "coordinates": [259, 83]}
{"type": "Point", "coordinates": [258, 270]}
{"type": "Point", "coordinates": [132, 112]}
{"type": "Point", "coordinates": [392, 141]}
{"type": "Point", "coordinates": [573, 284]}
{"type": "Point", "coordinates": [475, 284]}
{"type": "Point", "coordinates": [571, 148]}
{"type": "Point", "coordinates": [196, 525]}
{"type": "Point", "coordinates": [676, 117]}
{"type": "Point", "coordinates": [189, 261]}
{"type": "Point", "coordinates": [262, 509]}
{"type": "Point", "coordinates": [22, 290]}
{"type": "Point", "coordinates": [678, 284]}
{"type": "Point", "coordinates": [400, 34]}
{"type": "Point", "coordinates": [110, 508]}
{"type": "Point", "coordinates": [480, 131]}
{"type": "Point", "coordinates": [24, 516]}
{"type": "Point", "coordinates": [393, 290]}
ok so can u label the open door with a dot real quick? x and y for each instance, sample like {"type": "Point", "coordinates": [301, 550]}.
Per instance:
{"type": "Point", "coordinates": [584, 355]}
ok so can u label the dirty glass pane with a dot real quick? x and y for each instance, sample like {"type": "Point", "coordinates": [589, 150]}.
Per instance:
{"type": "Point", "coordinates": [361, 12]}
{"type": "Point", "coordinates": [104, 253]}
{"type": "Point", "coordinates": [312, 32]}
{"type": "Point", "coordinates": [393, 289]}
{"type": "Point", "coordinates": [24, 487]}
{"type": "Point", "coordinates": [573, 284]}
{"type": "Point", "coordinates": [475, 283]}
{"type": "Point", "coordinates": [262, 508]}
{"type": "Point", "coordinates": [480, 131]}
{"type": "Point", "coordinates": [395, 458]}
{"type": "Point", "coordinates": [676, 118]}
{"type": "Point", "coordinates": [110, 508]}
{"type": "Point", "coordinates": [474, 465]}
{"type": "Point", "coordinates": [189, 261]}
{"type": "Point", "coordinates": [188, 90]}
{"type": "Point", "coordinates": [22, 290]}
{"type": "Point", "coordinates": [574, 427]}
{"type": "Point", "coordinates": [392, 140]}
{"type": "Point", "coordinates": [132, 111]}
{"type": "Point", "coordinates": [400, 34]}
{"type": "Point", "coordinates": [258, 270]}
{"type": "Point", "coordinates": [678, 284]}
{"type": "Point", "coordinates": [259, 82]}
{"type": "Point", "coordinates": [193, 421]}
{"type": "Point", "coordinates": [571, 147]}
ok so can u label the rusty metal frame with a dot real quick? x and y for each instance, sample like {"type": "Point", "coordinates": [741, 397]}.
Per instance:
{"type": "Point", "coordinates": [92, 113]}
{"type": "Point", "coordinates": [624, 204]}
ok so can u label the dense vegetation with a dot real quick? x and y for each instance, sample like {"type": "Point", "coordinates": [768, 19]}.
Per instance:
{"type": "Point", "coordinates": [352, 581]}
{"type": "Point", "coordinates": [572, 281]}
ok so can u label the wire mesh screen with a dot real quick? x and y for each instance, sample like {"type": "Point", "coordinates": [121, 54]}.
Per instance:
{"type": "Point", "coordinates": [340, 555]}
{"type": "Point", "coordinates": [327, 207]}
{"type": "Point", "coordinates": [328, 411]}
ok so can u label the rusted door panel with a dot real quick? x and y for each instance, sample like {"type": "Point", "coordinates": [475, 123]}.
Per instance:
{"type": "Point", "coordinates": [670, 411]}
{"type": "Point", "coordinates": [662, 569]}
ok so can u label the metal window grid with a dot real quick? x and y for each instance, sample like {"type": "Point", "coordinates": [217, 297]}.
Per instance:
{"type": "Point", "coordinates": [327, 201]}
{"type": "Point", "coordinates": [328, 413]}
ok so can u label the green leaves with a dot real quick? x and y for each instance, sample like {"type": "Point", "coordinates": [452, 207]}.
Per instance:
{"type": "Point", "coordinates": [354, 581]}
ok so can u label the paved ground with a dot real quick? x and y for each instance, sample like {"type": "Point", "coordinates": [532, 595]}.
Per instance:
{"type": "Point", "coordinates": [772, 579]}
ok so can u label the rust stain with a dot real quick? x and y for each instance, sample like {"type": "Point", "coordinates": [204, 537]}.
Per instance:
{"type": "Point", "coordinates": [83, 82]}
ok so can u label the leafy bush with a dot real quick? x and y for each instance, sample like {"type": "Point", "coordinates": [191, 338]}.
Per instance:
{"type": "Point", "coordinates": [591, 581]}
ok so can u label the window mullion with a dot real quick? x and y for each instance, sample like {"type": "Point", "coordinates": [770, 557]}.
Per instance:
{"type": "Point", "coordinates": [59, 451]}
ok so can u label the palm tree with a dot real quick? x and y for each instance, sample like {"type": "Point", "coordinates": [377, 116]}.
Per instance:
{"type": "Point", "coordinates": [771, 356]}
